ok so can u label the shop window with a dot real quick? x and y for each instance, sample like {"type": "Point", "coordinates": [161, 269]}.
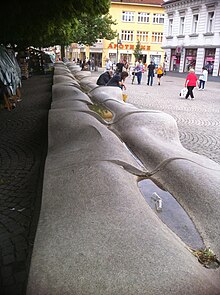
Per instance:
{"type": "Point", "coordinates": [209, 59]}
{"type": "Point", "coordinates": [127, 16]}
{"type": "Point", "coordinates": [210, 21]}
{"type": "Point", "coordinates": [157, 37]}
{"type": "Point", "coordinates": [127, 35]}
{"type": "Point", "coordinates": [142, 36]}
{"type": "Point", "coordinates": [182, 25]}
{"type": "Point", "coordinates": [195, 23]}
{"type": "Point", "coordinates": [190, 59]}
{"type": "Point", "coordinates": [158, 18]}
{"type": "Point", "coordinates": [143, 17]}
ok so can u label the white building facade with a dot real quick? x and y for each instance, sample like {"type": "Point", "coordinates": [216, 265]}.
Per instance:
{"type": "Point", "coordinates": [192, 35]}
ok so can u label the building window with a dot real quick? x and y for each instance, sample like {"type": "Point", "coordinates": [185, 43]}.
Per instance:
{"type": "Point", "coordinates": [127, 36]}
{"type": "Point", "coordinates": [157, 37]}
{"type": "Point", "coordinates": [143, 17]}
{"type": "Point", "coordinates": [127, 16]}
{"type": "Point", "coordinates": [210, 21]}
{"type": "Point", "coordinates": [195, 23]}
{"type": "Point", "coordinates": [142, 36]}
{"type": "Point", "coordinates": [182, 24]}
{"type": "Point", "coordinates": [170, 27]}
{"type": "Point", "coordinates": [158, 18]}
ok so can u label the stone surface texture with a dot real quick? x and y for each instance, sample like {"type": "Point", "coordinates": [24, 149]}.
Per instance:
{"type": "Point", "coordinates": [96, 233]}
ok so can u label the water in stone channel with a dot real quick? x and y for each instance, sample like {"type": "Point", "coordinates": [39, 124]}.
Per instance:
{"type": "Point", "coordinates": [171, 213]}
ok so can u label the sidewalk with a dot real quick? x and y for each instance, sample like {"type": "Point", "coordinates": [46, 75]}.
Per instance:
{"type": "Point", "coordinates": [183, 75]}
{"type": "Point", "coordinates": [23, 148]}
{"type": "Point", "coordinates": [172, 74]}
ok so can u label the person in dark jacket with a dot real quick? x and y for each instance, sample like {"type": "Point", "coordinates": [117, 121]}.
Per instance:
{"type": "Point", "coordinates": [119, 66]}
{"type": "Point", "coordinates": [104, 78]}
{"type": "Point", "coordinates": [151, 68]}
{"type": "Point", "coordinates": [118, 80]}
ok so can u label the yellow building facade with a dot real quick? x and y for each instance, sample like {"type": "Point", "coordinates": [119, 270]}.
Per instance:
{"type": "Point", "coordinates": [136, 20]}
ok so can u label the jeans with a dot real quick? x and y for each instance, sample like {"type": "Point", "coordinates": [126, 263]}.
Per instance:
{"type": "Point", "coordinates": [139, 77]}
{"type": "Point", "coordinates": [150, 79]}
{"type": "Point", "coordinates": [201, 84]}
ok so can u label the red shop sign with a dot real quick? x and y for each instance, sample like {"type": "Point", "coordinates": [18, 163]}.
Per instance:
{"type": "Point", "coordinates": [210, 59]}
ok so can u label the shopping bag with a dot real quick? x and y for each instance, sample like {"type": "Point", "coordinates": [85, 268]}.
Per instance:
{"type": "Point", "coordinates": [183, 92]}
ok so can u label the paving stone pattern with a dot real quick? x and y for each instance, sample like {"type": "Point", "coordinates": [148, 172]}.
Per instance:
{"type": "Point", "coordinates": [198, 120]}
{"type": "Point", "coordinates": [23, 148]}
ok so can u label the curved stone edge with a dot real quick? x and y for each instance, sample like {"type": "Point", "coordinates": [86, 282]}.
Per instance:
{"type": "Point", "coordinates": [102, 237]}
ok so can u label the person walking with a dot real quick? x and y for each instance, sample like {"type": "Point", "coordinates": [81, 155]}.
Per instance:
{"type": "Point", "coordinates": [159, 74]}
{"type": "Point", "coordinates": [190, 83]}
{"type": "Point", "coordinates": [108, 64]}
{"type": "Point", "coordinates": [203, 79]}
{"type": "Point", "coordinates": [120, 66]}
{"type": "Point", "coordinates": [138, 72]}
{"type": "Point", "coordinates": [151, 68]}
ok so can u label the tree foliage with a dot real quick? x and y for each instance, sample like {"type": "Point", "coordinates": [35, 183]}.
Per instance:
{"type": "Point", "coordinates": [43, 22]}
{"type": "Point", "coordinates": [137, 51]}
{"type": "Point", "coordinates": [89, 29]}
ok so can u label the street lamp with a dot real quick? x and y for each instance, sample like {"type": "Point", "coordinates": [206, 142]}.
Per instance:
{"type": "Point", "coordinates": [118, 43]}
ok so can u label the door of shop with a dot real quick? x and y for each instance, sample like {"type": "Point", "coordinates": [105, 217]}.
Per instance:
{"type": "Point", "coordinates": [209, 60]}
{"type": "Point", "coordinates": [190, 59]}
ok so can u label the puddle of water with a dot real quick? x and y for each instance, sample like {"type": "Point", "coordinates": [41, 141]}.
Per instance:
{"type": "Point", "coordinates": [172, 214]}
{"type": "Point", "coordinates": [103, 112]}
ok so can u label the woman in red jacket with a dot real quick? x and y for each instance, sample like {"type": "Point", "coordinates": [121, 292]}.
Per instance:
{"type": "Point", "coordinates": [191, 81]}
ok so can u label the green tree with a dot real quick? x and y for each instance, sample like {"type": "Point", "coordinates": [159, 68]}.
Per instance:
{"type": "Point", "coordinates": [29, 22]}
{"type": "Point", "coordinates": [89, 29]}
{"type": "Point", "coordinates": [137, 51]}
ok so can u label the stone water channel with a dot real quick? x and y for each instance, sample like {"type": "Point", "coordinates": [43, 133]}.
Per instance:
{"type": "Point", "coordinates": [171, 212]}
{"type": "Point", "coordinates": [164, 204]}
{"type": "Point", "coordinates": [104, 226]}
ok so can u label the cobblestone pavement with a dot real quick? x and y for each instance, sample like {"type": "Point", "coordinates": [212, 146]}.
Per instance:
{"type": "Point", "coordinates": [23, 147]}
{"type": "Point", "coordinates": [198, 120]}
